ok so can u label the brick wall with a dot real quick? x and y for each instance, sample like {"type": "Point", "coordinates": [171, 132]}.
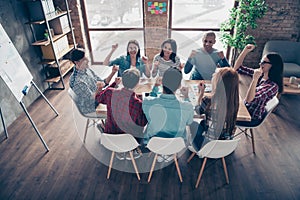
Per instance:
{"type": "Point", "coordinates": [281, 22]}
{"type": "Point", "coordinates": [156, 29]}
{"type": "Point", "coordinates": [77, 19]}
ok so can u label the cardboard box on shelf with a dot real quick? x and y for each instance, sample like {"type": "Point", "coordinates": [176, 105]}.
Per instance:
{"type": "Point", "coordinates": [60, 25]}
{"type": "Point", "coordinates": [60, 47]}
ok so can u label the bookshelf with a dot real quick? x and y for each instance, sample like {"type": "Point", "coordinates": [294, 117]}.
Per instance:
{"type": "Point", "coordinates": [53, 33]}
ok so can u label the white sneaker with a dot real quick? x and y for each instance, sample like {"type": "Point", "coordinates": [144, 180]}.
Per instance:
{"type": "Point", "coordinates": [135, 153]}
{"type": "Point", "coordinates": [165, 158]}
{"type": "Point", "coordinates": [120, 156]}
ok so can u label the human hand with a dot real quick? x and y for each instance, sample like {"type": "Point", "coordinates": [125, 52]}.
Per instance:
{"type": "Point", "coordinates": [114, 46]}
{"type": "Point", "coordinates": [115, 68]}
{"type": "Point", "coordinates": [100, 85]}
{"type": "Point", "coordinates": [118, 80]}
{"type": "Point", "coordinates": [145, 59]}
{"type": "Point", "coordinates": [193, 53]}
{"type": "Point", "coordinates": [158, 81]}
{"type": "Point", "coordinates": [156, 63]}
{"type": "Point", "coordinates": [181, 66]}
{"type": "Point", "coordinates": [221, 54]}
{"type": "Point", "coordinates": [185, 91]}
{"type": "Point", "coordinates": [257, 74]}
{"type": "Point", "coordinates": [201, 86]}
{"type": "Point", "coordinates": [249, 47]}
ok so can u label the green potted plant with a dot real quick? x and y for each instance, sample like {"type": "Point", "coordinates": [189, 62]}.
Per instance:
{"type": "Point", "coordinates": [242, 18]}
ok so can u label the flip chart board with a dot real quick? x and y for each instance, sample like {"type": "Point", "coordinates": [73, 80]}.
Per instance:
{"type": "Point", "coordinates": [13, 70]}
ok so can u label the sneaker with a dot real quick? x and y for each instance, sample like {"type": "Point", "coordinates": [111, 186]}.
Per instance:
{"type": "Point", "coordinates": [120, 156]}
{"type": "Point", "coordinates": [100, 127]}
{"type": "Point", "coordinates": [136, 155]}
{"type": "Point", "coordinates": [165, 158]}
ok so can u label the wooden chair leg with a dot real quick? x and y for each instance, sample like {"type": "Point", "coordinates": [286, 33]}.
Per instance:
{"type": "Point", "coordinates": [139, 150]}
{"type": "Point", "coordinates": [177, 167]}
{"type": "Point", "coordinates": [152, 168]}
{"type": "Point", "coordinates": [225, 170]}
{"type": "Point", "coordinates": [191, 157]}
{"type": "Point", "coordinates": [252, 137]}
{"type": "Point", "coordinates": [134, 165]}
{"type": "Point", "coordinates": [110, 164]}
{"type": "Point", "coordinates": [201, 172]}
{"type": "Point", "coordinates": [86, 128]}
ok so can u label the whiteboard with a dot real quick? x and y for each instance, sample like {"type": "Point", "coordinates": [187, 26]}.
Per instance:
{"type": "Point", "coordinates": [13, 70]}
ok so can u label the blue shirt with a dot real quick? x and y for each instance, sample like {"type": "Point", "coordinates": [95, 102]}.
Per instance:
{"type": "Point", "coordinates": [124, 63]}
{"type": "Point", "coordinates": [167, 116]}
{"type": "Point", "coordinates": [205, 64]}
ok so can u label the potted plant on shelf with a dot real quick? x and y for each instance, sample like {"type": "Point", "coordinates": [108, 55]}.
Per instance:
{"type": "Point", "coordinates": [242, 18]}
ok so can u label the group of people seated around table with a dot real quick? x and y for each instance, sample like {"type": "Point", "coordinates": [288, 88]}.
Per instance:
{"type": "Point", "coordinates": [165, 115]}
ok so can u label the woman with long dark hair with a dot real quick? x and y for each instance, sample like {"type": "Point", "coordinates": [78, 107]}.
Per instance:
{"type": "Point", "coordinates": [166, 58]}
{"type": "Point", "coordinates": [132, 59]}
{"type": "Point", "coordinates": [267, 81]}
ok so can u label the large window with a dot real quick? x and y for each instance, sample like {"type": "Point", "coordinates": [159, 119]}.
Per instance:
{"type": "Point", "coordinates": [190, 19]}
{"type": "Point", "coordinates": [118, 21]}
{"type": "Point", "coordinates": [113, 21]}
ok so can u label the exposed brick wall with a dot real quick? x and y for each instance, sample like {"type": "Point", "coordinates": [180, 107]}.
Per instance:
{"type": "Point", "coordinates": [77, 20]}
{"type": "Point", "coordinates": [281, 22]}
{"type": "Point", "coordinates": [156, 29]}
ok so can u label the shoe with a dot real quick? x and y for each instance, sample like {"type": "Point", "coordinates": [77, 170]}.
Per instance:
{"type": "Point", "coordinates": [100, 128]}
{"type": "Point", "coordinates": [135, 153]}
{"type": "Point", "coordinates": [165, 158]}
{"type": "Point", "coordinates": [120, 156]}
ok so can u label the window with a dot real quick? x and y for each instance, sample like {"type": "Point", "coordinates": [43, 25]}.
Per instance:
{"type": "Point", "coordinates": [113, 21]}
{"type": "Point", "coordinates": [190, 19]}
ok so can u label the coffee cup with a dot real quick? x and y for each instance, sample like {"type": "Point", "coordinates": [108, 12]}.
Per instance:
{"type": "Point", "coordinates": [293, 80]}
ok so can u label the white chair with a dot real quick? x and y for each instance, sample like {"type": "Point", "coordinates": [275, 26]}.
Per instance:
{"type": "Point", "coordinates": [165, 146]}
{"type": "Point", "coordinates": [216, 149]}
{"type": "Point", "coordinates": [120, 143]}
{"type": "Point", "coordinates": [89, 116]}
{"type": "Point", "coordinates": [271, 105]}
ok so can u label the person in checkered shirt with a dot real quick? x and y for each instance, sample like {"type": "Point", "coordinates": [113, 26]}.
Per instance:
{"type": "Point", "coordinates": [267, 81]}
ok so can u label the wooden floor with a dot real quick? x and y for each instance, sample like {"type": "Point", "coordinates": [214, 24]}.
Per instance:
{"type": "Point", "coordinates": [70, 171]}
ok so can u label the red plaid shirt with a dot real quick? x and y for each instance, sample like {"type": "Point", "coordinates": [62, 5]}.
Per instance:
{"type": "Point", "coordinates": [124, 111]}
{"type": "Point", "coordinates": [265, 91]}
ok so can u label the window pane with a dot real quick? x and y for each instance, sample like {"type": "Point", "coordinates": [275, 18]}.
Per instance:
{"type": "Point", "coordinates": [189, 40]}
{"type": "Point", "coordinates": [102, 41]}
{"type": "Point", "coordinates": [200, 13]}
{"type": "Point", "coordinates": [114, 13]}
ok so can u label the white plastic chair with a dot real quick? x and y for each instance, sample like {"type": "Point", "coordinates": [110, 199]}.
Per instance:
{"type": "Point", "coordinates": [120, 143]}
{"type": "Point", "coordinates": [165, 146]}
{"type": "Point", "coordinates": [216, 149]}
{"type": "Point", "coordinates": [89, 116]}
{"type": "Point", "coordinates": [271, 105]}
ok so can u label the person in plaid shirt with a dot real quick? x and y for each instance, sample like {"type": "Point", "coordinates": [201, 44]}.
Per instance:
{"type": "Point", "coordinates": [267, 81]}
{"type": "Point", "coordinates": [124, 108]}
{"type": "Point", "coordinates": [85, 83]}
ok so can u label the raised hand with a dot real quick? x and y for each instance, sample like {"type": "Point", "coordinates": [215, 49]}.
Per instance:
{"type": "Point", "coordinates": [100, 85]}
{"type": "Point", "coordinates": [193, 53]}
{"type": "Point", "coordinates": [184, 91]}
{"type": "Point", "coordinates": [114, 46]}
{"type": "Point", "coordinates": [249, 47]}
{"type": "Point", "coordinates": [257, 73]}
{"type": "Point", "coordinates": [221, 54]}
{"type": "Point", "coordinates": [115, 68]}
{"type": "Point", "coordinates": [158, 81]}
{"type": "Point", "coordinates": [118, 80]}
{"type": "Point", "coordinates": [145, 59]}
{"type": "Point", "coordinates": [201, 86]}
